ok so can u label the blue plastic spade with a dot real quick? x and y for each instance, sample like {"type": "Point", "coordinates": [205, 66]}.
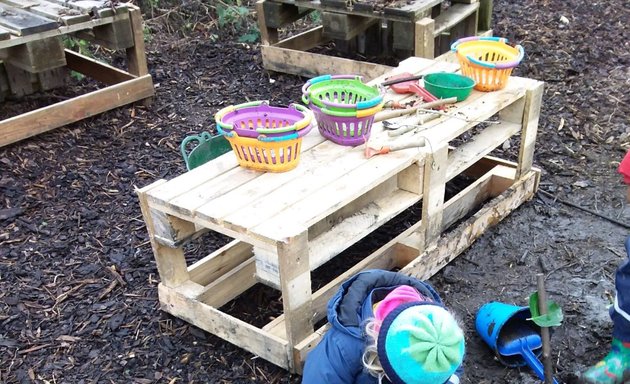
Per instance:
{"type": "Point", "coordinates": [523, 345]}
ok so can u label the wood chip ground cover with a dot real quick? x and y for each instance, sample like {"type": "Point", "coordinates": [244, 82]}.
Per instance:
{"type": "Point", "coordinates": [78, 284]}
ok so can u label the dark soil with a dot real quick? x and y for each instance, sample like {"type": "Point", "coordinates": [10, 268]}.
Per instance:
{"type": "Point", "coordinates": [78, 283]}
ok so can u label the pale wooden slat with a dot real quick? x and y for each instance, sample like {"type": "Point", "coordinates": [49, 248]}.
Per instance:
{"type": "Point", "coordinates": [336, 194]}
{"type": "Point", "coordinates": [453, 16]}
{"type": "Point", "coordinates": [55, 12]}
{"type": "Point", "coordinates": [479, 146]}
{"type": "Point", "coordinates": [224, 163]}
{"type": "Point", "coordinates": [268, 185]}
{"type": "Point", "coordinates": [21, 23]}
{"type": "Point", "coordinates": [4, 34]}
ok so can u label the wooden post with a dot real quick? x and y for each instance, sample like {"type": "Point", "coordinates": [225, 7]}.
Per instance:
{"type": "Point", "coordinates": [295, 283]}
{"type": "Point", "coordinates": [531, 115]}
{"type": "Point", "coordinates": [136, 56]}
{"type": "Point", "coordinates": [425, 41]}
{"type": "Point", "coordinates": [268, 35]}
{"type": "Point", "coordinates": [435, 166]}
{"type": "Point", "coordinates": [171, 262]}
{"type": "Point", "coordinates": [485, 15]}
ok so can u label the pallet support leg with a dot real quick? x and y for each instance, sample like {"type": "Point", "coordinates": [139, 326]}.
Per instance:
{"type": "Point", "coordinates": [136, 56]}
{"type": "Point", "coordinates": [171, 262]}
{"type": "Point", "coordinates": [531, 115]}
{"type": "Point", "coordinates": [424, 40]}
{"type": "Point", "coordinates": [434, 188]}
{"type": "Point", "coordinates": [268, 35]}
{"type": "Point", "coordinates": [295, 283]}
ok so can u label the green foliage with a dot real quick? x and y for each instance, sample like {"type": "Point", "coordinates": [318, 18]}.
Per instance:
{"type": "Point", "coordinates": [80, 46]}
{"type": "Point", "coordinates": [233, 14]}
{"type": "Point", "coordinates": [552, 318]}
{"type": "Point", "coordinates": [315, 17]}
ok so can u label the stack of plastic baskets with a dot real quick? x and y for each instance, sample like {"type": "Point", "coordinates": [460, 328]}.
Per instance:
{"type": "Point", "coordinates": [487, 60]}
{"type": "Point", "coordinates": [263, 137]}
{"type": "Point", "coordinates": [344, 107]}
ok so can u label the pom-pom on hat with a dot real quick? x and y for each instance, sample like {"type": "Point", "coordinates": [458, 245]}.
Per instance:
{"type": "Point", "coordinates": [420, 343]}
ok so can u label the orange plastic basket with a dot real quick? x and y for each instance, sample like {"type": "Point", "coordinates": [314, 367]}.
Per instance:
{"type": "Point", "coordinates": [265, 156]}
{"type": "Point", "coordinates": [487, 60]}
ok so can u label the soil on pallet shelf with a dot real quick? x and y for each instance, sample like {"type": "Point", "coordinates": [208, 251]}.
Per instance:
{"type": "Point", "coordinates": [78, 282]}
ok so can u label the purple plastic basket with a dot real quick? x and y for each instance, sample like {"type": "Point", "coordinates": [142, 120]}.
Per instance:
{"type": "Point", "coordinates": [348, 131]}
{"type": "Point", "coordinates": [260, 119]}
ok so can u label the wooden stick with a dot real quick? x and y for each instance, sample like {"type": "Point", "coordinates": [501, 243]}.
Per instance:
{"type": "Point", "coordinates": [402, 112]}
{"type": "Point", "coordinates": [544, 331]}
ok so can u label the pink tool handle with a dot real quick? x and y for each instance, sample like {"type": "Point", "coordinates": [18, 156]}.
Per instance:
{"type": "Point", "coordinates": [427, 97]}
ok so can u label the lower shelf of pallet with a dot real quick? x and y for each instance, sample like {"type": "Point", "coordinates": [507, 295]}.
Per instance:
{"type": "Point", "coordinates": [228, 272]}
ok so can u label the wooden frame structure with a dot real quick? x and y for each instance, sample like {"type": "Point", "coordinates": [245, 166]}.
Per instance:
{"type": "Point", "coordinates": [285, 225]}
{"type": "Point", "coordinates": [415, 29]}
{"type": "Point", "coordinates": [122, 87]}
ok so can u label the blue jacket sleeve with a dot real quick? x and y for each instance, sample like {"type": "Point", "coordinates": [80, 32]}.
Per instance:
{"type": "Point", "coordinates": [336, 359]}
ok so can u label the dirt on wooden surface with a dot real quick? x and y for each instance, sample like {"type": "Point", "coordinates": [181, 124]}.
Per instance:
{"type": "Point", "coordinates": [78, 282]}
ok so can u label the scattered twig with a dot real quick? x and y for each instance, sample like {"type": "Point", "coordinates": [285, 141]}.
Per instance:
{"type": "Point", "coordinates": [570, 204]}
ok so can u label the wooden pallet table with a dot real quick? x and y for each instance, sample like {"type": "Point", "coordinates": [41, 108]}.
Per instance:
{"type": "Point", "coordinates": [287, 224]}
{"type": "Point", "coordinates": [33, 58]}
{"type": "Point", "coordinates": [417, 27]}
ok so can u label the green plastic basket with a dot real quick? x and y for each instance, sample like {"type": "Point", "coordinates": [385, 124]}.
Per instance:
{"type": "Point", "coordinates": [444, 85]}
{"type": "Point", "coordinates": [341, 93]}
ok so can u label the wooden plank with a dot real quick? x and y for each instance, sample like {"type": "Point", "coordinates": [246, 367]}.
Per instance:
{"type": "Point", "coordinates": [295, 284]}
{"type": "Point", "coordinates": [56, 12]}
{"type": "Point", "coordinates": [95, 69]}
{"type": "Point", "coordinates": [4, 34]}
{"type": "Point", "coordinates": [228, 286]}
{"type": "Point", "coordinates": [136, 56]}
{"type": "Point", "coordinates": [97, 8]}
{"type": "Point", "coordinates": [269, 184]}
{"type": "Point", "coordinates": [479, 146]}
{"type": "Point", "coordinates": [38, 56]}
{"type": "Point", "coordinates": [453, 16]}
{"type": "Point", "coordinates": [63, 30]}
{"type": "Point", "coordinates": [313, 64]}
{"type": "Point", "coordinates": [65, 112]}
{"type": "Point", "coordinates": [219, 262]}
{"type": "Point", "coordinates": [22, 23]}
{"type": "Point", "coordinates": [268, 34]}
{"type": "Point", "coordinates": [20, 83]}
{"type": "Point", "coordinates": [485, 15]}
{"type": "Point", "coordinates": [456, 241]}
{"type": "Point", "coordinates": [52, 78]}
{"type": "Point", "coordinates": [341, 235]}
{"type": "Point", "coordinates": [318, 202]}
{"type": "Point", "coordinates": [277, 15]}
{"type": "Point", "coordinates": [4, 83]}
{"type": "Point", "coordinates": [531, 116]}
{"type": "Point", "coordinates": [424, 38]}
{"type": "Point", "coordinates": [237, 332]}
{"type": "Point", "coordinates": [171, 262]}
{"type": "Point", "coordinates": [304, 41]}
{"type": "Point", "coordinates": [344, 27]}
{"type": "Point", "coordinates": [413, 10]}
{"type": "Point", "coordinates": [433, 194]}
{"type": "Point", "coordinates": [115, 36]}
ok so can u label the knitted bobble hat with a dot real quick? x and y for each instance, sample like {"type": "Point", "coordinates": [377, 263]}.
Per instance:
{"type": "Point", "coordinates": [420, 343]}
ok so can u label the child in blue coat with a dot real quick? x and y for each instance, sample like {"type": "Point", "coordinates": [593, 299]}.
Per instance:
{"type": "Point", "coordinates": [614, 368]}
{"type": "Point", "coordinates": [387, 328]}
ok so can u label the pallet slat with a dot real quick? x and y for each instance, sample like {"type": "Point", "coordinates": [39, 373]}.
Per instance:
{"type": "Point", "coordinates": [55, 12]}
{"type": "Point", "coordinates": [454, 15]}
{"type": "Point", "coordinates": [21, 23]}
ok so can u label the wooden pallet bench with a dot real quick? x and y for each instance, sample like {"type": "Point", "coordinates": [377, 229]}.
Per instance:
{"type": "Point", "coordinates": [33, 58]}
{"type": "Point", "coordinates": [420, 28]}
{"type": "Point", "coordinates": [285, 225]}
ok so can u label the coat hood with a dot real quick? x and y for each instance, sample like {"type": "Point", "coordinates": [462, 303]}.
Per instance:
{"type": "Point", "coordinates": [345, 308]}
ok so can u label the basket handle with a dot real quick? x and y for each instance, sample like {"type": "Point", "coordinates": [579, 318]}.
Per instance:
{"type": "Point", "coordinates": [225, 133]}
{"type": "Point", "coordinates": [298, 125]}
{"type": "Point", "coordinates": [478, 38]}
{"type": "Point", "coordinates": [202, 137]}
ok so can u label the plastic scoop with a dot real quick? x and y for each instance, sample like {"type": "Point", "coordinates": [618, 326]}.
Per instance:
{"type": "Point", "coordinates": [411, 86]}
{"type": "Point", "coordinates": [524, 345]}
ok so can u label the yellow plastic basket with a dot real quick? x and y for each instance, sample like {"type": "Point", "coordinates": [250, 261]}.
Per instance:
{"type": "Point", "coordinates": [487, 60]}
{"type": "Point", "coordinates": [265, 156]}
